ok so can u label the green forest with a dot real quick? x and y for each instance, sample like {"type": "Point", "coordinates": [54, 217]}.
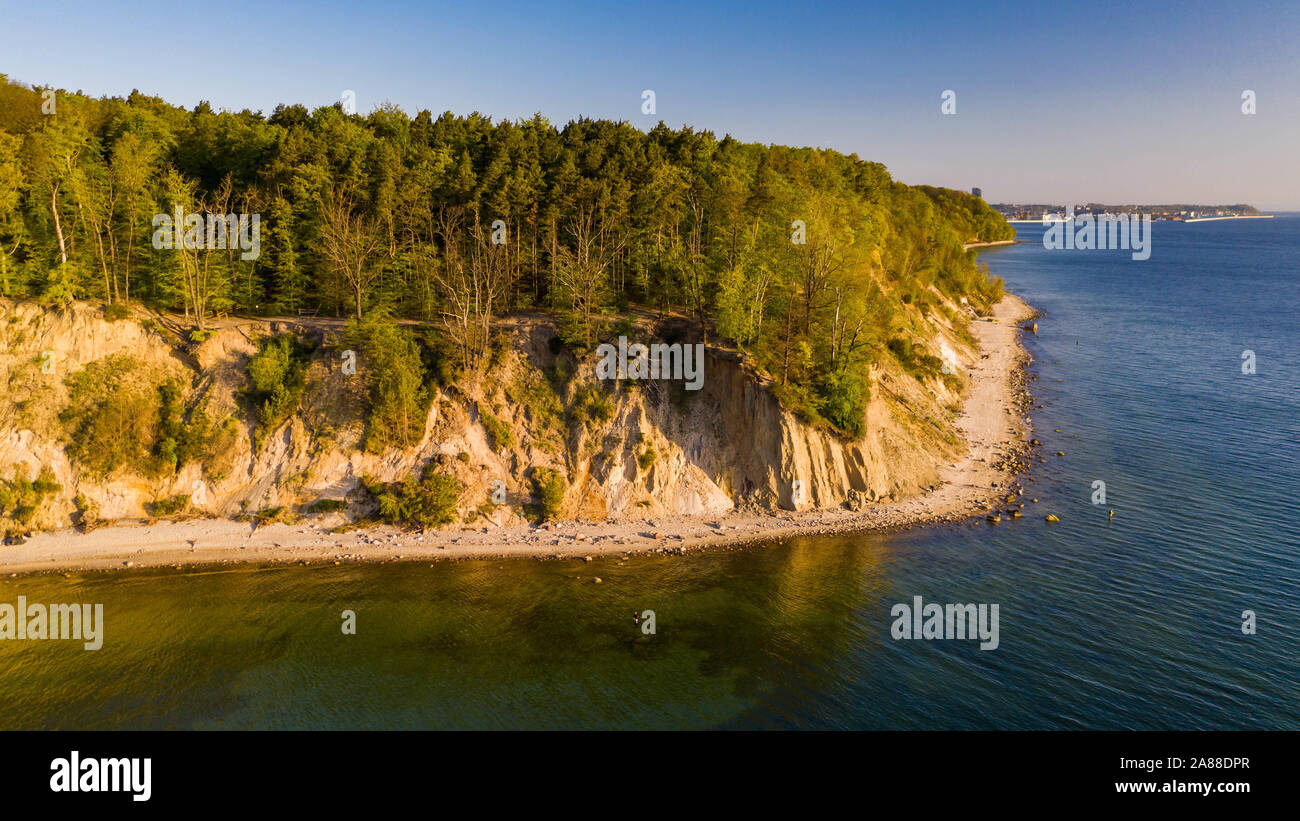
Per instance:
{"type": "Point", "coordinates": [806, 259]}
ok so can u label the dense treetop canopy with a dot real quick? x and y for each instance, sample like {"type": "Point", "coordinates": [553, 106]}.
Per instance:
{"type": "Point", "coordinates": [810, 260]}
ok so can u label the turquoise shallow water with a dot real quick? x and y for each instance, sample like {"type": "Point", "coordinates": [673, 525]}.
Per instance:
{"type": "Point", "coordinates": [1133, 623]}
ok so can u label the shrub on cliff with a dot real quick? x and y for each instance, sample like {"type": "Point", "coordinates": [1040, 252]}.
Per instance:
{"type": "Point", "coordinates": [169, 505]}
{"type": "Point", "coordinates": [590, 404]}
{"type": "Point", "coordinates": [120, 416]}
{"type": "Point", "coordinates": [439, 357]}
{"type": "Point", "coordinates": [497, 430]}
{"type": "Point", "coordinates": [116, 311]}
{"type": "Point", "coordinates": [549, 485]}
{"type": "Point", "coordinates": [21, 497]}
{"type": "Point", "coordinates": [276, 376]}
{"type": "Point", "coordinates": [211, 443]}
{"type": "Point", "coordinates": [429, 502]}
{"type": "Point", "coordinates": [914, 359]}
{"type": "Point", "coordinates": [86, 517]}
{"type": "Point", "coordinates": [110, 417]}
{"type": "Point", "coordinates": [532, 391]}
{"type": "Point", "coordinates": [842, 400]}
{"type": "Point", "coordinates": [394, 374]}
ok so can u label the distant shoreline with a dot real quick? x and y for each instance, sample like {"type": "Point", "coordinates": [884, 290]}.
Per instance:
{"type": "Point", "coordinates": [992, 422]}
{"type": "Point", "coordinates": [1163, 219]}
{"type": "Point", "coordinates": [1235, 217]}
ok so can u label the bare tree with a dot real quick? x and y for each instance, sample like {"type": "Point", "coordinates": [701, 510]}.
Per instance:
{"type": "Point", "coordinates": [197, 274]}
{"type": "Point", "coordinates": [819, 267]}
{"type": "Point", "coordinates": [582, 272]}
{"type": "Point", "coordinates": [349, 241]}
{"type": "Point", "coordinates": [472, 279]}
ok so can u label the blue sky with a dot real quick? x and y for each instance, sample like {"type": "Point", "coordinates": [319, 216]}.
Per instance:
{"type": "Point", "coordinates": [1114, 102]}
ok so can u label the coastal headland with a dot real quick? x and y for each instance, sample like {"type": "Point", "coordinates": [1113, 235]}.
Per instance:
{"type": "Point", "coordinates": [992, 422]}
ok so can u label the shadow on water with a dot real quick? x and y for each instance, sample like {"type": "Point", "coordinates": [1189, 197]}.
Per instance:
{"type": "Point", "coordinates": [465, 644]}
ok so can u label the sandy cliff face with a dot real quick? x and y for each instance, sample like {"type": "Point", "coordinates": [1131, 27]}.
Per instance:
{"type": "Point", "coordinates": [734, 445]}
{"type": "Point", "coordinates": [654, 448]}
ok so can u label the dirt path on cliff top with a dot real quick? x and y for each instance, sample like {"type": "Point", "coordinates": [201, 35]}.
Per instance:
{"type": "Point", "coordinates": [991, 422]}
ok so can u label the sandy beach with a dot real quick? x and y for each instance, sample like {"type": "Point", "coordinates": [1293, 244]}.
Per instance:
{"type": "Point", "coordinates": [971, 245]}
{"type": "Point", "coordinates": [993, 422]}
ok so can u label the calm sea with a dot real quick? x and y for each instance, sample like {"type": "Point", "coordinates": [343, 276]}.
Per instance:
{"type": "Point", "coordinates": [1130, 623]}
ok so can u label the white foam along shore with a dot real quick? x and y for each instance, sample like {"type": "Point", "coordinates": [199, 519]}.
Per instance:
{"type": "Point", "coordinates": [991, 422]}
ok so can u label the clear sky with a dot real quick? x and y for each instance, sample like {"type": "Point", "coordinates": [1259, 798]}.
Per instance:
{"type": "Point", "coordinates": [1055, 101]}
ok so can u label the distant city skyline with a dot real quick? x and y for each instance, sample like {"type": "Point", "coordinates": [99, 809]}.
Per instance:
{"type": "Point", "coordinates": [1129, 104]}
